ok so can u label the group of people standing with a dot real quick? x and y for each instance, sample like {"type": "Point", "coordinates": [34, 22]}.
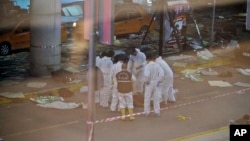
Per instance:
{"type": "Point", "coordinates": [133, 73]}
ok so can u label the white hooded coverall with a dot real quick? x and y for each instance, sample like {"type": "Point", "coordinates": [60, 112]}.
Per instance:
{"type": "Point", "coordinates": [97, 93]}
{"type": "Point", "coordinates": [167, 90]}
{"type": "Point", "coordinates": [97, 61]}
{"type": "Point", "coordinates": [136, 65]}
{"type": "Point", "coordinates": [117, 67]}
{"type": "Point", "coordinates": [153, 74]}
{"type": "Point", "coordinates": [106, 65]}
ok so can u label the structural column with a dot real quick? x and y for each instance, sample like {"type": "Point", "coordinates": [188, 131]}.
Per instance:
{"type": "Point", "coordinates": [248, 15]}
{"type": "Point", "coordinates": [45, 50]}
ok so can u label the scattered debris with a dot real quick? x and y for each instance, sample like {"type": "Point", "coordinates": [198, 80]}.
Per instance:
{"type": "Point", "coordinates": [180, 57]}
{"type": "Point", "coordinates": [219, 83]}
{"type": "Point", "coordinates": [189, 71]}
{"type": "Point", "coordinates": [192, 74]}
{"type": "Point", "coordinates": [84, 89]}
{"type": "Point", "coordinates": [178, 64]}
{"type": "Point", "coordinates": [245, 120]}
{"type": "Point", "coordinates": [46, 99]}
{"type": "Point", "coordinates": [76, 81]}
{"type": "Point", "coordinates": [12, 94]}
{"type": "Point", "coordinates": [209, 71]}
{"type": "Point", "coordinates": [205, 54]}
{"type": "Point", "coordinates": [181, 117]}
{"type": "Point", "coordinates": [196, 44]}
{"type": "Point", "coordinates": [72, 70]}
{"type": "Point", "coordinates": [233, 44]}
{"type": "Point", "coordinates": [244, 71]}
{"type": "Point", "coordinates": [241, 84]}
{"type": "Point", "coordinates": [84, 106]}
{"type": "Point", "coordinates": [36, 84]}
{"type": "Point", "coordinates": [8, 82]}
{"type": "Point", "coordinates": [14, 66]}
{"type": "Point", "coordinates": [60, 105]}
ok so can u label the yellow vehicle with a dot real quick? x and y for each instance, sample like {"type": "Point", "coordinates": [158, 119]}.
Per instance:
{"type": "Point", "coordinates": [132, 18]}
{"type": "Point", "coordinates": [19, 37]}
{"type": "Point", "coordinates": [128, 19]}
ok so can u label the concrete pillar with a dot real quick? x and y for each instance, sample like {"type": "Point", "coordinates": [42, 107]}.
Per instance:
{"type": "Point", "coordinates": [248, 15]}
{"type": "Point", "coordinates": [45, 48]}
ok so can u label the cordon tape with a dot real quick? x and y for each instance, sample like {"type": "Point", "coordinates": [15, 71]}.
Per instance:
{"type": "Point", "coordinates": [242, 91]}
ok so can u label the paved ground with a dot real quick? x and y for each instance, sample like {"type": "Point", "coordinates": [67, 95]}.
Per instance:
{"type": "Point", "coordinates": [207, 109]}
{"type": "Point", "coordinates": [201, 113]}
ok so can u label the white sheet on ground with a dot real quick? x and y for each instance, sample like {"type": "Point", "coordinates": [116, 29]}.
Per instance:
{"type": "Point", "coordinates": [36, 84]}
{"type": "Point", "coordinates": [244, 71]}
{"type": "Point", "coordinates": [60, 105]}
{"type": "Point", "coordinates": [219, 83]}
{"type": "Point", "coordinates": [12, 94]}
{"type": "Point", "coordinates": [241, 84]}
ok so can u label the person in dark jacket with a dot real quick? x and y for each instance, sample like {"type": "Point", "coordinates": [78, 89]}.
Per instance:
{"type": "Point", "coordinates": [125, 91]}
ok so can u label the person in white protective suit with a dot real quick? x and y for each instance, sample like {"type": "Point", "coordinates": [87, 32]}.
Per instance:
{"type": "Point", "coordinates": [119, 59]}
{"type": "Point", "coordinates": [167, 87]}
{"type": "Point", "coordinates": [105, 65]}
{"type": "Point", "coordinates": [98, 62]}
{"type": "Point", "coordinates": [153, 74]}
{"type": "Point", "coordinates": [137, 61]}
{"type": "Point", "coordinates": [99, 83]}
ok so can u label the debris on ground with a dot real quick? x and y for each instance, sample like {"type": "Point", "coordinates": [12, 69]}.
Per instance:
{"type": "Point", "coordinates": [60, 105]}
{"type": "Point", "coordinates": [179, 64]}
{"type": "Point", "coordinates": [75, 81]}
{"type": "Point", "coordinates": [209, 72]}
{"type": "Point", "coordinates": [84, 105]}
{"type": "Point", "coordinates": [36, 84]}
{"type": "Point", "coordinates": [71, 70]}
{"type": "Point", "coordinates": [196, 44]}
{"type": "Point", "coordinates": [8, 82]}
{"type": "Point", "coordinates": [12, 94]}
{"type": "Point", "coordinates": [179, 57]}
{"type": "Point", "coordinates": [241, 84]}
{"type": "Point", "coordinates": [84, 89]}
{"type": "Point", "coordinates": [205, 54]}
{"type": "Point", "coordinates": [243, 71]}
{"type": "Point", "coordinates": [46, 99]}
{"type": "Point", "coordinates": [245, 120]}
{"type": "Point", "coordinates": [233, 44]}
{"type": "Point", "coordinates": [194, 75]}
{"type": "Point", "coordinates": [181, 117]}
{"type": "Point", "coordinates": [219, 83]}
